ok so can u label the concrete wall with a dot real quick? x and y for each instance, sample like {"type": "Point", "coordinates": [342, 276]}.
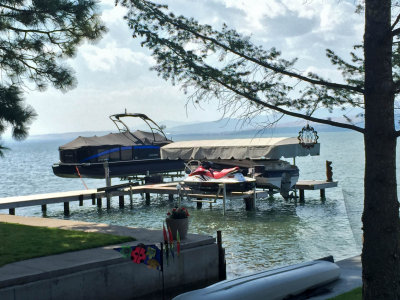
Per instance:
{"type": "Point", "coordinates": [121, 279]}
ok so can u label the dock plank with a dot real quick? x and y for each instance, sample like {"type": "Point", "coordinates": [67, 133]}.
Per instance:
{"type": "Point", "coordinates": [315, 184]}
{"type": "Point", "coordinates": [50, 198]}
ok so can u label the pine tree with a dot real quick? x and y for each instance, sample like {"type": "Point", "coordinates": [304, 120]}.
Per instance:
{"type": "Point", "coordinates": [35, 37]}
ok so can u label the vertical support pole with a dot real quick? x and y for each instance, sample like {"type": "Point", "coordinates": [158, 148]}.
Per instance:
{"type": "Point", "coordinates": [121, 201]}
{"type": "Point", "coordinates": [224, 197]}
{"type": "Point", "coordinates": [221, 258]}
{"type": "Point", "coordinates": [248, 201]}
{"type": "Point", "coordinates": [108, 201]}
{"type": "Point", "coordinates": [171, 197]}
{"type": "Point", "coordinates": [254, 197]}
{"type": "Point", "coordinates": [99, 202]}
{"type": "Point", "coordinates": [80, 200]}
{"type": "Point", "coordinates": [108, 182]}
{"type": "Point", "coordinates": [329, 172]}
{"type": "Point", "coordinates": [107, 173]}
{"type": "Point", "coordinates": [66, 208]}
{"type": "Point", "coordinates": [179, 189]}
{"type": "Point", "coordinates": [322, 193]}
{"type": "Point", "coordinates": [11, 211]}
{"type": "Point", "coordinates": [44, 208]}
{"type": "Point", "coordinates": [301, 196]}
{"type": "Point", "coordinates": [130, 194]}
{"type": "Point", "coordinates": [199, 204]}
{"type": "Point", "coordinates": [93, 199]}
{"type": "Point", "coordinates": [147, 198]}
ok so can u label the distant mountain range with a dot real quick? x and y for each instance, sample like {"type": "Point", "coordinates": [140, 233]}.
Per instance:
{"type": "Point", "coordinates": [216, 129]}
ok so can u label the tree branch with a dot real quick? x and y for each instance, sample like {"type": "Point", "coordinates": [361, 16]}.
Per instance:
{"type": "Point", "coordinates": [290, 113]}
{"type": "Point", "coordinates": [395, 22]}
{"type": "Point", "coordinates": [162, 17]}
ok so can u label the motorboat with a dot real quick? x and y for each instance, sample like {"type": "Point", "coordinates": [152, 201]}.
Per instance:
{"type": "Point", "coordinates": [295, 281]}
{"type": "Point", "coordinates": [259, 158]}
{"type": "Point", "coordinates": [121, 154]}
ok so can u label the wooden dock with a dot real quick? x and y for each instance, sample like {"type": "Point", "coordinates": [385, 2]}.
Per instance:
{"type": "Point", "coordinates": [171, 189]}
{"type": "Point", "coordinates": [320, 185]}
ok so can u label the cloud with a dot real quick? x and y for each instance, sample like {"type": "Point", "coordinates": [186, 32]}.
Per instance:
{"type": "Point", "coordinates": [113, 74]}
{"type": "Point", "coordinates": [107, 58]}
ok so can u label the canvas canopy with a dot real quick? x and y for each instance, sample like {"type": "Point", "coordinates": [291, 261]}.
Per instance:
{"type": "Point", "coordinates": [116, 139]}
{"type": "Point", "coordinates": [257, 148]}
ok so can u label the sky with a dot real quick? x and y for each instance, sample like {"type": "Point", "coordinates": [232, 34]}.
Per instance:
{"type": "Point", "coordinates": [113, 74]}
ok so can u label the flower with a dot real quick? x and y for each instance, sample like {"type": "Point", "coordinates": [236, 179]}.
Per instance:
{"type": "Point", "coordinates": [178, 213]}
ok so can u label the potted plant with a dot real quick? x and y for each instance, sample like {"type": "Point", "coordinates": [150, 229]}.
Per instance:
{"type": "Point", "coordinates": [178, 221]}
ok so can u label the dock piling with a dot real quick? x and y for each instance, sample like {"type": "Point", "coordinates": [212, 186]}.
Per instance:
{"type": "Point", "coordinates": [93, 199]}
{"type": "Point", "coordinates": [66, 208]}
{"type": "Point", "coordinates": [130, 194]}
{"type": "Point", "coordinates": [44, 208]}
{"type": "Point", "coordinates": [80, 200]}
{"type": "Point", "coordinates": [108, 201]}
{"type": "Point", "coordinates": [99, 204]}
{"type": "Point", "coordinates": [121, 201]}
{"type": "Point", "coordinates": [147, 198]}
{"type": "Point", "coordinates": [301, 196]}
{"type": "Point", "coordinates": [199, 203]}
{"type": "Point", "coordinates": [11, 211]}
{"type": "Point", "coordinates": [171, 197]}
{"type": "Point", "coordinates": [221, 258]}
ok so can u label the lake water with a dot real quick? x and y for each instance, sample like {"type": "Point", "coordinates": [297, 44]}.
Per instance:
{"type": "Point", "coordinates": [277, 233]}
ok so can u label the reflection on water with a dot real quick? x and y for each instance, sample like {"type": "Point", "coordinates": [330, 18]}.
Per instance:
{"type": "Point", "coordinates": [277, 233]}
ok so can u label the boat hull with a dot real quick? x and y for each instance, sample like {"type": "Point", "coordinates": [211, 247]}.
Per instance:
{"type": "Point", "coordinates": [118, 168]}
{"type": "Point", "coordinates": [281, 283]}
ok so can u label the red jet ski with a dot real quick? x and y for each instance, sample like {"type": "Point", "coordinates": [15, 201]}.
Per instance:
{"type": "Point", "coordinates": [206, 178]}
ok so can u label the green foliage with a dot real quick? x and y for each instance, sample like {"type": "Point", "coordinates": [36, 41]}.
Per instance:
{"type": "Point", "coordinates": [226, 65]}
{"type": "Point", "coordinates": [35, 36]}
{"type": "Point", "coordinates": [20, 242]}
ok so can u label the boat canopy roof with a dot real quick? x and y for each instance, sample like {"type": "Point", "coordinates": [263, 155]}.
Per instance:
{"type": "Point", "coordinates": [256, 148]}
{"type": "Point", "coordinates": [117, 139]}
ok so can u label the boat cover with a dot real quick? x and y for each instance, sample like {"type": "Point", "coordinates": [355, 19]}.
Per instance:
{"type": "Point", "coordinates": [116, 139]}
{"type": "Point", "coordinates": [256, 148]}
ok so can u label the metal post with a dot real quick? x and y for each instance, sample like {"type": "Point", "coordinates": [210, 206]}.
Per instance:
{"type": "Point", "coordinates": [179, 189]}
{"type": "Point", "coordinates": [224, 197]}
{"type": "Point", "coordinates": [121, 201]}
{"type": "Point", "coordinates": [130, 194]}
{"type": "Point", "coordinates": [108, 182]}
{"type": "Point", "coordinates": [254, 197]}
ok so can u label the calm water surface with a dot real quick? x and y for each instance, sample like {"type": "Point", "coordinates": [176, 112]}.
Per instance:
{"type": "Point", "coordinates": [277, 233]}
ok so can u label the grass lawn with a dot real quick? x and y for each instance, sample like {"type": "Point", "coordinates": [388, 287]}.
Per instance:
{"type": "Point", "coordinates": [352, 295]}
{"type": "Point", "coordinates": [19, 242]}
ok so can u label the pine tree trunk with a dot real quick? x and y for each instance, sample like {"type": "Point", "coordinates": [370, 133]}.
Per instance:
{"type": "Point", "coordinates": [380, 255]}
